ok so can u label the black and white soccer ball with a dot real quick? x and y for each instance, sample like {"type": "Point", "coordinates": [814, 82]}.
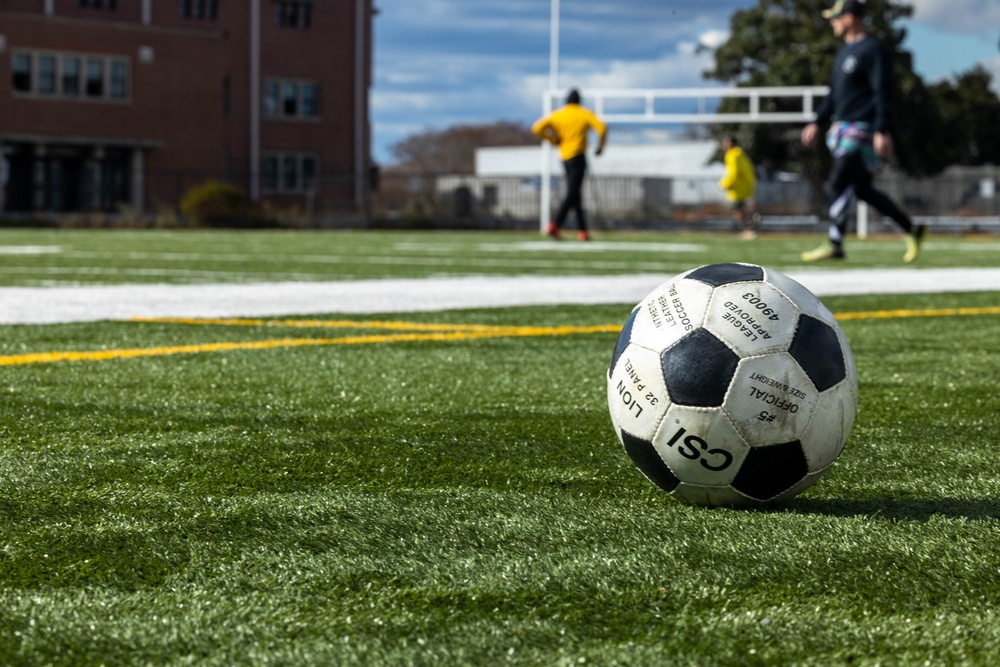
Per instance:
{"type": "Point", "coordinates": [732, 385]}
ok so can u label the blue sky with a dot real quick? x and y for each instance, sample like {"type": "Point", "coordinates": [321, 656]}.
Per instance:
{"type": "Point", "coordinates": [444, 62]}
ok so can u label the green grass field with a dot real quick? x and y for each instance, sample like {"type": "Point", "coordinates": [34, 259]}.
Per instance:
{"type": "Point", "coordinates": [94, 257]}
{"type": "Point", "coordinates": [448, 489]}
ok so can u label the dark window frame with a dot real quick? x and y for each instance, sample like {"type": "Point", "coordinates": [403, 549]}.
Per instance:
{"type": "Point", "coordinates": [202, 10]}
{"type": "Point", "coordinates": [293, 14]}
{"type": "Point", "coordinates": [302, 104]}
{"type": "Point", "coordinates": [290, 172]}
{"type": "Point", "coordinates": [59, 75]}
{"type": "Point", "coordinates": [98, 4]}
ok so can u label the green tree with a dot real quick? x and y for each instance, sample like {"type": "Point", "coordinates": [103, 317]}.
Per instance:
{"type": "Point", "coordinates": [970, 113]}
{"type": "Point", "coordinates": [789, 43]}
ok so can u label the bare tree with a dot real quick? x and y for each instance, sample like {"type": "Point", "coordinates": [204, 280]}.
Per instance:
{"type": "Point", "coordinates": [453, 150]}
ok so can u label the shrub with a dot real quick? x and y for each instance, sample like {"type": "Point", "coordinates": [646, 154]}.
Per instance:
{"type": "Point", "coordinates": [217, 204]}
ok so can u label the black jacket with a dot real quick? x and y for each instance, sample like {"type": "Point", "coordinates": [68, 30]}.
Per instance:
{"type": "Point", "coordinates": [862, 86]}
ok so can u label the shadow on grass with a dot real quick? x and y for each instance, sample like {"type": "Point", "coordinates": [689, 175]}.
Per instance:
{"type": "Point", "coordinates": [892, 509]}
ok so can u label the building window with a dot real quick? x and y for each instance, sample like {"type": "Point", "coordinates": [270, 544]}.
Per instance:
{"type": "Point", "coordinates": [270, 179]}
{"type": "Point", "coordinates": [95, 77]}
{"type": "Point", "coordinates": [22, 73]}
{"type": "Point", "coordinates": [98, 4]}
{"type": "Point", "coordinates": [270, 98]}
{"type": "Point", "coordinates": [46, 75]}
{"type": "Point", "coordinates": [118, 82]}
{"type": "Point", "coordinates": [310, 101]}
{"type": "Point", "coordinates": [290, 172]}
{"type": "Point", "coordinates": [207, 10]}
{"type": "Point", "coordinates": [70, 75]}
{"type": "Point", "coordinates": [293, 14]}
{"type": "Point", "coordinates": [288, 98]}
{"type": "Point", "coordinates": [308, 172]}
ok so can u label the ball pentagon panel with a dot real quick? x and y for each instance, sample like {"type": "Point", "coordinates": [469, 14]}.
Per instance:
{"type": "Point", "coordinates": [816, 349]}
{"type": "Point", "coordinates": [698, 369]}
{"type": "Point", "coordinates": [769, 471]}
{"type": "Point", "coordinates": [717, 275]}
{"type": "Point", "coordinates": [648, 461]}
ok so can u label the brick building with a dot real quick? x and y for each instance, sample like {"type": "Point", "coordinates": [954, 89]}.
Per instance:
{"type": "Point", "coordinates": [112, 103]}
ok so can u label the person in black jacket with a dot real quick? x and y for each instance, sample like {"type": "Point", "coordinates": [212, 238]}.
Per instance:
{"type": "Point", "coordinates": [860, 104]}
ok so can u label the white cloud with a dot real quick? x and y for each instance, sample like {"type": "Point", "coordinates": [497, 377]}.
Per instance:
{"type": "Point", "coordinates": [993, 67]}
{"type": "Point", "coordinates": [957, 16]}
{"type": "Point", "coordinates": [682, 68]}
{"type": "Point", "coordinates": [713, 39]}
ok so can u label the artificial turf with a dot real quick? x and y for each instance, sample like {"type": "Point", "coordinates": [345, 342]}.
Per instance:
{"type": "Point", "coordinates": [466, 501]}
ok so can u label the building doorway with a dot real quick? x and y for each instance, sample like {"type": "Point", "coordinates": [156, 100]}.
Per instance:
{"type": "Point", "coordinates": [65, 178]}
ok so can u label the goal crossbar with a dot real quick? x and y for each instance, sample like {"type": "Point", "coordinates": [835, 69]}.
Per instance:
{"type": "Point", "coordinates": [649, 98]}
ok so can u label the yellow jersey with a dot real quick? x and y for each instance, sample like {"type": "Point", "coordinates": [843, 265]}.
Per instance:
{"type": "Point", "coordinates": [740, 180]}
{"type": "Point", "coordinates": [567, 128]}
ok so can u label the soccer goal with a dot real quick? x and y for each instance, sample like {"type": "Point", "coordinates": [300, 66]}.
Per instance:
{"type": "Point", "coordinates": [680, 106]}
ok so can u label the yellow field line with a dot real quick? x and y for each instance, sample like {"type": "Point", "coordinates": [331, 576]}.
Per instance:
{"type": "Point", "coordinates": [131, 353]}
{"type": "Point", "coordinates": [930, 312]}
{"type": "Point", "coordinates": [417, 332]}
{"type": "Point", "coordinates": [317, 324]}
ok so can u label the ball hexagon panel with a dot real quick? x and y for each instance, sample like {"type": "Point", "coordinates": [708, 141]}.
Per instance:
{"type": "Point", "coordinates": [753, 318]}
{"type": "Point", "coordinates": [767, 472]}
{"type": "Point", "coordinates": [795, 490]}
{"type": "Point", "coordinates": [833, 419]}
{"type": "Point", "coordinates": [648, 461]}
{"type": "Point", "coordinates": [698, 369]}
{"type": "Point", "coordinates": [816, 347]}
{"type": "Point", "coordinates": [669, 313]}
{"type": "Point", "coordinates": [700, 445]}
{"type": "Point", "coordinates": [806, 301]}
{"type": "Point", "coordinates": [712, 496]}
{"type": "Point", "coordinates": [770, 399]}
{"type": "Point", "coordinates": [724, 274]}
{"type": "Point", "coordinates": [637, 395]}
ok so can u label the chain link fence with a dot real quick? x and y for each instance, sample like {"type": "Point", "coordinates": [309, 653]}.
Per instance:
{"type": "Point", "coordinates": [960, 200]}
{"type": "Point", "coordinates": [963, 200]}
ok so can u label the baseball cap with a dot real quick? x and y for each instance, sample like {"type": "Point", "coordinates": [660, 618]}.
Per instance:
{"type": "Point", "coordinates": [841, 7]}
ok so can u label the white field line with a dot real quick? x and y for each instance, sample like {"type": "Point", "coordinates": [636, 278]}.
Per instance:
{"type": "Point", "coordinates": [47, 305]}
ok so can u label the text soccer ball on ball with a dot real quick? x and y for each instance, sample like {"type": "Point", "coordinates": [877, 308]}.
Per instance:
{"type": "Point", "coordinates": [732, 384]}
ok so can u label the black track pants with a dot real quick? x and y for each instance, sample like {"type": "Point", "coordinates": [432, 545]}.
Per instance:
{"type": "Point", "coordinates": [851, 179]}
{"type": "Point", "coordinates": [576, 169]}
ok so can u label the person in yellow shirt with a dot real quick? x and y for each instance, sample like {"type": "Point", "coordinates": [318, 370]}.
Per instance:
{"type": "Point", "coordinates": [567, 128]}
{"type": "Point", "coordinates": [740, 182]}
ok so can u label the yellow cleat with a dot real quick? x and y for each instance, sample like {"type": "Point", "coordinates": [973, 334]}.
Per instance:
{"type": "Point", "coordinates": [913, 243]}
{"type": "Point", "coordinates": [826, 251]}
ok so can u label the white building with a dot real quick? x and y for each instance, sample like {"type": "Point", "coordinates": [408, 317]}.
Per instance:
{"type": "Point", "coordinates": [693, 179]}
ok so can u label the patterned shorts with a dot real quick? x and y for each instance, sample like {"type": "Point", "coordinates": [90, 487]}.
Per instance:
{"type": "Point", "coordinates": [849, 138]}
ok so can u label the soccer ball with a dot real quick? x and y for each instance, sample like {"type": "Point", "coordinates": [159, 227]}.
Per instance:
{"type": "Point", "coordinates": [733, 385]}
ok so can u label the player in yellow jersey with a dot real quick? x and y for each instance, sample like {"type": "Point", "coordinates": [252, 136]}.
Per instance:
{"type": "Point", "coordinates": [740, 182]}
{"type": "Point", "coordinates": [568, 128]}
